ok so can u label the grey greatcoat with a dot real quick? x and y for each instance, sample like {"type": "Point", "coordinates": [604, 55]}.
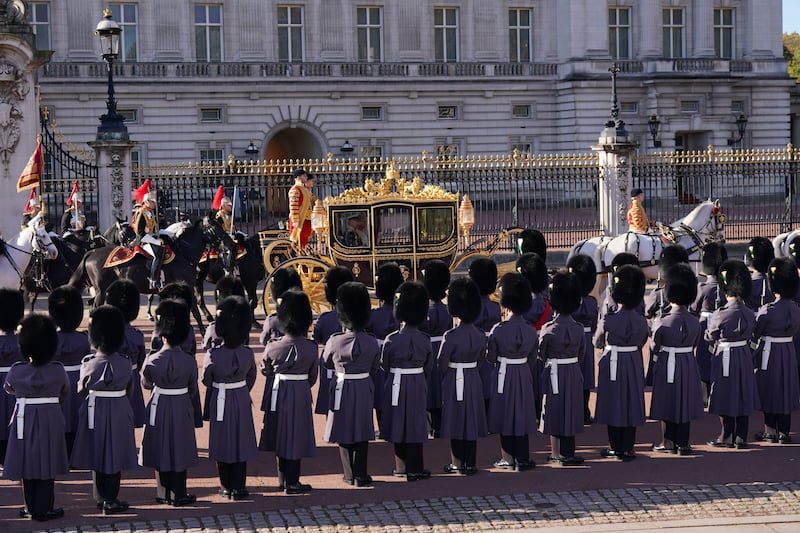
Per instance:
{"type": "Point", "coordinates": [562, 338]}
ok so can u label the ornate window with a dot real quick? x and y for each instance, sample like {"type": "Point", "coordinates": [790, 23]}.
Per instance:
{"type": "Point", "coordinates": [369, 26]}
{"type": "Point", "coordinates": [445, 30]}
{"type": "Point", "coordinates": [619, 32]}
{"type": "Point", "coordinates": [208, 32]}
{"type": "Point", "coordinates": [519, 36]}
{"type": "Point", "coordinates": [290, 34]}
{"type": "Point", "coordinates": [673, 32]}
{"type": "Point", "coordinates": [724, 33]}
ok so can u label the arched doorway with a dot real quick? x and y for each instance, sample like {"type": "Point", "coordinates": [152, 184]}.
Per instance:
{"type": "Point", "coordinates": [294, 143]}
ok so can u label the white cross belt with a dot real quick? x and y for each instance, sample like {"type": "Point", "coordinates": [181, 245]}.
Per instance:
{"type": "Point", "coordinates": [460, 377]}
{"type": "Point", "coordinates": [21, 403]}
{"type": "Point", "coordinates": [340, 379]}
{"type": "Point", "coordinates": [726, 346]}
{"type": "Point", "coordinates": [398, 376]}
{"type": "Point", "coordinates": [157, 393]}
{"type": "Point", "coordinates": [554, 364]}
{"type": "Point", "coordinates": [276, 383]}
{"type": "Point", "coordinates": [72, 368]}
{"type": "Point", "coordinates": [613, 359]}
{"type": "Point", "coordinates": [671, 351]}
{"type": "Point", "coordinates": [501, 372]}
{"type": "Point", "coordinates": [221, 388]}
{"type": "Point", "coordinates": [768, 342]}
{"type": "Point", "coordinates": [94, 394]}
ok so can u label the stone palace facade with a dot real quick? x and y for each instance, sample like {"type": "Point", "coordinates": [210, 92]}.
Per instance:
{"type": "Point", "coordinates": [199, 80]}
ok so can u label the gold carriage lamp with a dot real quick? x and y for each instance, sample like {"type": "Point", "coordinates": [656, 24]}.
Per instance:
{"type": "Point", "coordinates": [319, 220]}
{"type": "Point", "coordinates": [466, 217]}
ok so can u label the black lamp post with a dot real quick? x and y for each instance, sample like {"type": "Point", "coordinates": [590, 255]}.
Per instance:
{"type": "Point", "coordinates": [112, 124]}
{"type": "Point", "coordinates": [251, 151]}
{"type": "Point", "coordinates": [347, 148]}
{"type": "Point", "coordinates": [741, 125]}
{"type": "Point", "coordinates": [654, 124]}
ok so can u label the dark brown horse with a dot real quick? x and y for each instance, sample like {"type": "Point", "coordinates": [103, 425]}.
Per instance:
{"type": "Point", "coordinates": [188, 248]}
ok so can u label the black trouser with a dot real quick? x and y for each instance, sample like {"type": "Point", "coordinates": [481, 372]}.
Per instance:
{"type": "Point", "coordinates": [734, 429]}
{"type": "Point", "coordinates": [464, 453]}
{"type": "Point", "coordinates": [39, 495]}
{"type": "Point", "coordinates": [288, 471]}
{"type": "Point", "coordinates": [408, 457]}
{"type": "Point", "coordinates": [587, 413]}
{"type": "Point", "coordinates": [232, 476]}
{"type": "Point", "coordinates": [170, 485]}
{"type": "Point", "coordinates": [3, 448]}
{"type": "Point", "coordinates": [622, 439]}
{"type": "Point", "coordinates": [775, 423]}
{"type": "Point", "coordinates": [676, 434]}
{"type": "Point", "coordinates": [515, 448]}
{"type": "Point", "coordinates": [354, 459]}
{"type": "Point", "coordinates": [70, 440]}
{"type": "Point", "coordinates": [105, 487]}
{"type": "Point", "coordinates": [434, 422]}
{"type": "Point", "coordinates": [563, 447]}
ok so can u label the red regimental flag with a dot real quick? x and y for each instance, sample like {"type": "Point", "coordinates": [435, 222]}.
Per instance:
{"type": "Point", "coordinates": [32, 174]}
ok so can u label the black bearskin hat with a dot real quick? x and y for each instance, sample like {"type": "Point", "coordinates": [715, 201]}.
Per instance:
{"type": "Point", "coordinates": [680, 284]}
{"type": "Point", "coordinates": [178, 291]}
{"type": "Point", "coordinates": [734, 279]}
{"type": "Point", "coordinates": [66, 307]}
{"type": "Point", "coordinates": [627, 288]}
{"type": "Point", "coordinates": [353, 305]}
{"type": "Point", "coordinates": [714, 254]}
{"type": "Point", "coordinates": [565, 292]}
{"type": "Point", "coordinates": [673, 254]}
{"type": "Point", "coordinates": [284, 279]}
{"type": "Point", "coordinates": [783, 277]}
{"type": "Point", "coordinates": [37, 338]}
{"type": "Point", "coordinates": [124, 295]}
{"type": "Point", "coordinates": [760, 254]}
{"type": "Point", "coordinates": [483, 272]}
{"type": "Point", "coordinates": [411, 305]}
{"type": "Point", "coordinates": [583, 266]}
{"type": "Point", "coordinates": [294, 313]}
{"type": "Point", "coordinates": [532, 266]}
{"type": "Point", "coordinates": [228, 286]}
{"type": "Point", "coordinates": [532, 240]}
{"type": "Point", "coordinates": [335, 277]}
{"type": "Point", "coordinates": [172, 321]}
{"type": "Point", "coordinates": [794, 250]}
{"type": "Point", "coordinates": [107, 329]}
{"type": "Point", "coordinates": [232, 322]}
{"type": "Point", "coordinates": [387, 279]}
{"type": "Point", "coordinates": [436, 277]}
{"type": "Point", "coordinates": [12, 309]}
{"type": "Point", "coordinates": [464, 300]}
{"type": "Point", "coordinates": [623, 258]}
{"type": "Point", "coordinates": [515, 293]}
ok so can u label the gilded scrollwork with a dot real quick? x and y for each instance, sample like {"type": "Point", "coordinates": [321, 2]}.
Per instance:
{"type": "Point", "coordinates": [392, 187]}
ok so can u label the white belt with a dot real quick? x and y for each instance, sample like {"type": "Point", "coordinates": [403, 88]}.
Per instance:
{"type": "Point", "coordinates": [221, 388]}
{"type": "Point", "coordinates": [460, 377]}
{"type": "Point", "coordinates": [94, 394]}
{"type": "Point", "coordinates": [554, 364]}
{"type": "Point", "coordinates": [587, 329]}
{"type": "Point", "coordinates": [340, 379]}
{"type": "Point", "coordinates": [671, 351]}
{"type": "Point", "coordinates": [439, 338]}
{"type": "Point", "coordinates": [21, 403]}
{"type": "Point", "coordinates": [398, 376]}
{"type": "Point", "coordinates": [706, 314]}
{"type": "Point", "coordinates": [276, 383]}
{"type": "Point", "coordinates": [134, 367]}
{"type": "Point", "coordinates": [380, 341]}
{"type": "Point", "coordinates": [615, 350]}
{"type": "Point", "coordinates": [157, 392]}
{"type": "Point", "coordinates": [501, 372]}
{"type": "Point", "coordinates": [768, 341]}
{"type": "Point", "coordinates": [487, 333]}
{"type": "Point", "coordinates": [726, 354]}
{"type": "Point", "coordinates": [72, 368]}
{"type": "Point", "coordinates": [5, 369]}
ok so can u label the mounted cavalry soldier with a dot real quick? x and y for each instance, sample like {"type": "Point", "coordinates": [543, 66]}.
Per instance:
{"type": "Point", "coordinates": [32, 208]}
{"type": "Point", "coordinates": [73, 218]}
{"type": "Point", "coordinates": [145, 225]}
{"type": "Point", "coordinates": [224, 216]}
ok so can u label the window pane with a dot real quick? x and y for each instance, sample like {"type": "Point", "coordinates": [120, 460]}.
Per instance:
{"type": "Point", "coordinates": [612, 17]}
{"type": "Point", "coordinates": [361, 16]}
{"type": "Point", "coordinates": [451, 17]}
{"type": "Point", "coordinates": [451, 45]}
{"type": "Point", "coordinates": [512, 17]}
{"type": "Point", "coordinates": [283, 44]}
{"type": "Point", "coordinates": [375, 44]}
{"type": "Point", "coordinates": [666, 17]}
{"type": "Point", "coordinates": [297, 45]}
{"type": "Point", "coordinates": [215, 14]}
{"type": "Point", "coordinates": [200, 43]}
{"type": "Point", "coordinates": [437, 17]}
{"type": "Point", "coordinates": [199, 14]}
{"type": "Point", "coordinates": [362, 44]}
{"type": "Point", "coordinates": [215, 43]}
{"type": "Point", "coordinates": [283, 15]}
{"type": "Point", "coordinates": [130, 13]}
{"type": "Point", "coordinates": [624, 46]}
{"type": "Point", "coordinates": [525, 17]}
{"type": "Point", "coordinates": [375, 16]}
{"type": "Point", "coordinates": [115, 12]}
{"type": "Point", "coordinates": [512, 46]}
{"type": "Point", "coordinates": [42, 14]}
{"type": "Point", "coordinates": [296, 15]}
{"type": "Point", "coordinates": [439, 42]}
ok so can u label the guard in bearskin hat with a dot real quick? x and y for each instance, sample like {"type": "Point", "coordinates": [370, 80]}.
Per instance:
{"type": "Point", "coordinates": [483, 272]}
{"type": "Point", "coordinates": [532, 241]}
{"type": "Point", "coordinates": [619, 260]}
{"type": "Point", "coordinates": [283, 279]}
{"type": "Point", "coordinates": [436, 277]}
{"type": "Point", "coordinates": [709, 299]}
{"type": "Point", "coordinates": [354, 356]}
{"type": "Point", "coordinates": [226, 286]}
{"type": "Point", "coordinates": [729, 332]}
{"type": "Point", "coordinates": [583, 266]}
{"type": "Point", "coordinates": [12, 309]}
{"type": "Point", "coordinates": [760, 254]}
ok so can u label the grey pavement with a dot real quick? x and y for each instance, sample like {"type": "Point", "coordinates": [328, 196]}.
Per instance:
{"type": "Point", "coordinates": [757, 507]}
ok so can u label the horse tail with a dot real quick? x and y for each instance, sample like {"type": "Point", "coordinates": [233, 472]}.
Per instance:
{"type": "Point", "coordinates": [79, 277]}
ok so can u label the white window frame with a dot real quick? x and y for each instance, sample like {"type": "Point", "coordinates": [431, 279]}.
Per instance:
{"type": "Point", "coordinates": [672, 30]}
{"type": "Point", "coordinates": [292, 26]}
{"type": "Point", "coordinates": [130, 29]}
{"type": "Point", "coordinates": [206, 156]}
{"type": "Point", "coordinates": [206, 27]}
{"type": "Point", "coordinates": [441, 32]}
{"type": "Point", "coordinates": [516, 32]}
{"type": "Point", "coordinates": [616, 28]}
{"type": "Point", "coordinates": [207, 111]}
{"type": "Point", "coordinates": [365, 31]}
{"type": "Point", "coordinates": [380, 113]}
{"type": "Point", "coordinates": [724, 32]}
{"type": "Point", "coordinates": [43, 40]}
{"type": "Point", "coordinates": [448, 112]}
{"type": "Point", "coordinates": [521, 111]}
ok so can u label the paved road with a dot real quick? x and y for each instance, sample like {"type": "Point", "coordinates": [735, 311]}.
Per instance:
{"type": "Point", "coordinates": [653, 491]}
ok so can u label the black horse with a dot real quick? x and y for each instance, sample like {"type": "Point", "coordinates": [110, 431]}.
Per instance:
{"type": "Point", "coordinates": [120, 233]}
{"type": "Point", "coordinates": [44, 275]}
{"type": "Point", "coordinates": [250, 268]}
{"type": "Point", "coordinates": [188, 248]}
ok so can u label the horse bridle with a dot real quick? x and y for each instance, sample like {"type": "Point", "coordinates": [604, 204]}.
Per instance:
{"type": "Point", "coordinates": [39, 244]}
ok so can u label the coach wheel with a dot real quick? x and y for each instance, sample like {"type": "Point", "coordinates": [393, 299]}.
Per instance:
{"type": "Point", "coordinates": [312, 274]}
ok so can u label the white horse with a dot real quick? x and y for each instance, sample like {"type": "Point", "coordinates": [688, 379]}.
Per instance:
{"type": "Point", "coordinates": [704, 224]}
{"type": "Point", "coordinates": [15, 254]}
{"type": "Point", "coordinates": [782, 244]}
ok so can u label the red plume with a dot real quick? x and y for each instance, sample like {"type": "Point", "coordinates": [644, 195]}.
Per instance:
{"type": "Point", "coordinates": [217, 203]}
{"type": "Point", "coordinates": [30, 198]}
{"type": "Point", "coordinates": [138, 194]}
{"type": "Point", "coordinates": [74, 190]}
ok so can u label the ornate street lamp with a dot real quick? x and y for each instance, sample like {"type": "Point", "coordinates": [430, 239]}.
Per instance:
{"type": "Point", "coordinates": [251, 151]}
{"type": "Point", "coordinates": [741, 125]}
{"type": "Point", "coordinates": [654, 124]}
{"type": "Point", "coordinates": [112, 124]}
{"type": "Point", "coordinates": [347, 148]}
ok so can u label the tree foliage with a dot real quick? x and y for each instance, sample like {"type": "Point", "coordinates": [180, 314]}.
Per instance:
{"type": "Point", "coordinates": [791, 52]}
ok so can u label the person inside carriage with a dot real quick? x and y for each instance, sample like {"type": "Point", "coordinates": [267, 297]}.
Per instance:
{"type": "Point", "coordinates": [145, 225]}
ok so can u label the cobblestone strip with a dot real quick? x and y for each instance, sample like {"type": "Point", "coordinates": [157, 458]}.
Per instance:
{"type": "Point", "coordinates": [479, 513]}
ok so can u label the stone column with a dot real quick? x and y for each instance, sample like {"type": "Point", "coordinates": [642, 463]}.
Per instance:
{"type": "Point", "coordinates": [649, 22]}
{"type": "Point", "coordinates": [113, 181]}
{"type": "Point", "coordinates": [703, 24]}
{"type": "Point", "coordinates": [615, 149]}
